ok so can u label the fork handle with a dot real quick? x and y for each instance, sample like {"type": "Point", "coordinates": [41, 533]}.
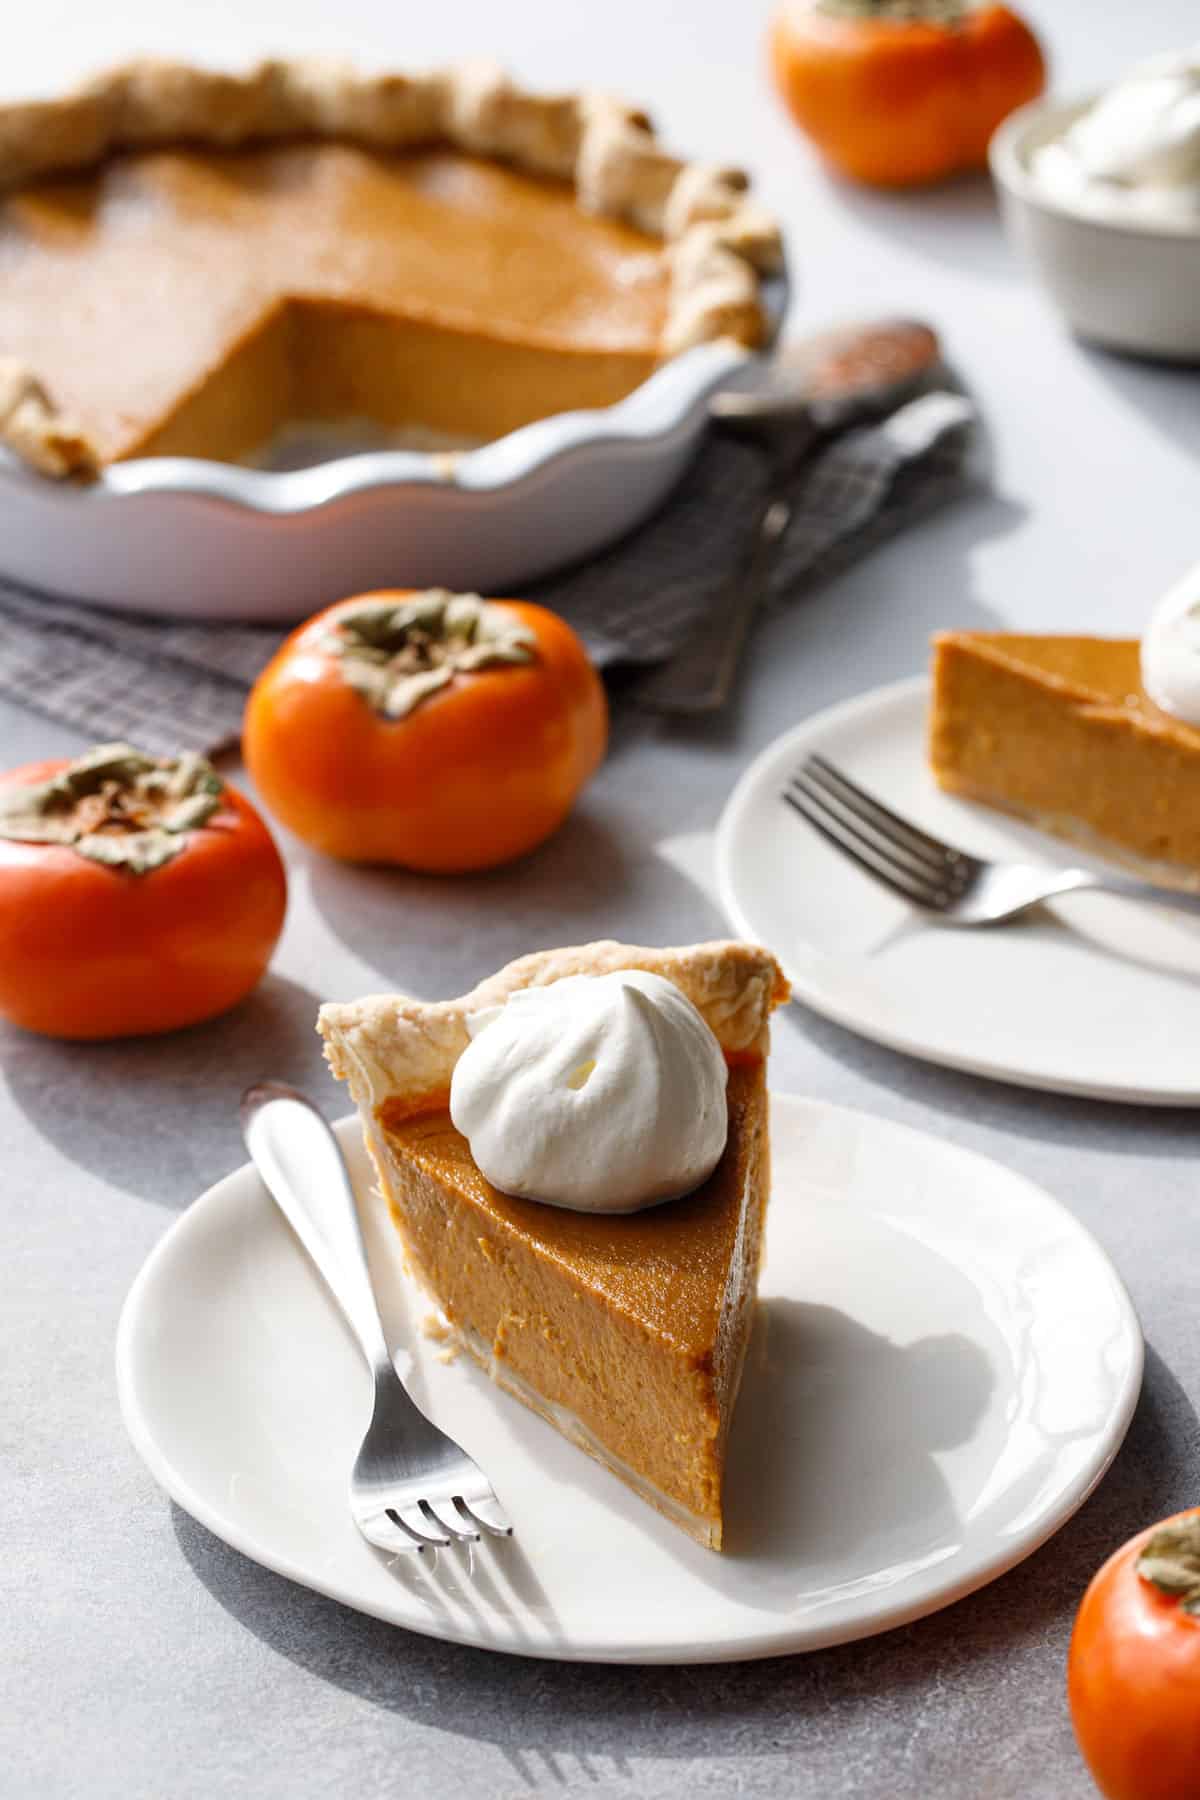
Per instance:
{"type": "Point", "coordinates": [1081, 881]}
{"type": "Point", "coordinates": [299, 1159]}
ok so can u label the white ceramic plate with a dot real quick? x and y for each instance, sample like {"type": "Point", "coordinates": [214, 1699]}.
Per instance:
{"type": "Point", "coordinates": [945, 1365]}
{"type": "Point", "coordinates": [1093, 996]}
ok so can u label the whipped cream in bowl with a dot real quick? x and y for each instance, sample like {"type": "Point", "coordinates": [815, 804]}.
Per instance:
{"type": "Point", "coordinates": [600, 1093]}
{"type": "Point", "coordinates": [1171, 650]}
{"type": "Point", "coordinates": [1102, 196]}
{"type": "Point", "coordinates": [1134, 152]}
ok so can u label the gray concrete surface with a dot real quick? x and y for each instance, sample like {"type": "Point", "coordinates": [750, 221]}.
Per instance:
{"type": "Point", "coordinates": [144, 1659]}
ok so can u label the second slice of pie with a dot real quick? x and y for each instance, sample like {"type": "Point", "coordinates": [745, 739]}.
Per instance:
{"type": "Point", "coordinates": [1061, 731]}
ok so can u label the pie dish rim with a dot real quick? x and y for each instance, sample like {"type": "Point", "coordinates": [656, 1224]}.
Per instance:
{"type": "Point", "coordinates": [671, 400]}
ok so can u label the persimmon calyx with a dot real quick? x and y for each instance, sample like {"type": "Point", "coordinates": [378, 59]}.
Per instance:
{"type": "Point", "coordinates": [903, 12]}
{"type": "Point", "coordinates": [116, 806]}
{"type": "Point", "coordinates": [1171, 1562]}
{"type": "Point", "coordinates": [396, 653]}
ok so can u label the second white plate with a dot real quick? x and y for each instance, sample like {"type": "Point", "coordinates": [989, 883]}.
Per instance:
{"type": "Point", "coordinates": [1095, 996]}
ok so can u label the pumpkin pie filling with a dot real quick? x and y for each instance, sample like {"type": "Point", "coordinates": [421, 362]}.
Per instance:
{"type": "Point", "coordinates": [627, 1332]}
{"type": "Point", "coordinates": [362, 298]}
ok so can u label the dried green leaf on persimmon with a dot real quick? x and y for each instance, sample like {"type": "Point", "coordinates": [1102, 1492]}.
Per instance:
{"type": "Point", "coordinates": [396, 653]}
{"type": "Point", "coordinates": [116, 806]}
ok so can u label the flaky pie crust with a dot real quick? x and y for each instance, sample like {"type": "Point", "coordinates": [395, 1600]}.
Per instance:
{"type": "Point", "coordinates": [390, 1047]}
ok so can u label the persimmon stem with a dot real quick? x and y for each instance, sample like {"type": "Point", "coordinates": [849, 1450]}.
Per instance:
{"type": "Point", "coordinates": [396, 653]}
{"type": "Point", "coordinates": [1170, 1561]}
{"type": "Point", "coordinates": [929, 12]}
{"type": "Point", "coordinates": [116, 806]}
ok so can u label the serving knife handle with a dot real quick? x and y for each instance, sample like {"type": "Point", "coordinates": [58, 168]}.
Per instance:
{"type": "Point", "coordinates": [700, 678]}
{"type": "Point", "coordinates": [294, 1150]}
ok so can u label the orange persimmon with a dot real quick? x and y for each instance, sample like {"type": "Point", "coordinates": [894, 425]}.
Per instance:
{"type": "Point", "coordinates": [899, 95]}
{"type": "Point", "coordinates": [441, 732]}
{"type": "Point", "coordinates": [136, 895]}
{"type": "Point", "coordinates": [1133, 1672]}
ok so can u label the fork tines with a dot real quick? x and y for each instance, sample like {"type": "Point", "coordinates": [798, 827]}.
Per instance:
{"type": "Point", "coordinates": [905, 859]}
{"type": "Point", "coordinates": [429, 1526]}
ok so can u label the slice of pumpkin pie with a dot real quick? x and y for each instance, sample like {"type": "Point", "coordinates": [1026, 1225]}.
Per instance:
{"type": "Point", "coordinates": [575, 1155]}
{"type": "Point", "coordinates": [1061, 731]}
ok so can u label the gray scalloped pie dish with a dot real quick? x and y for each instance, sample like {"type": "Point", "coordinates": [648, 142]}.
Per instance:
{"type": "Point", "coordinates": [191, 538]}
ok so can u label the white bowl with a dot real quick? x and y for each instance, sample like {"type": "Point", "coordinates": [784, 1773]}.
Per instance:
{"type": "Point", "coordinates": [1128, 281]}
{"type": "Point", "coordinates": [200, 539]}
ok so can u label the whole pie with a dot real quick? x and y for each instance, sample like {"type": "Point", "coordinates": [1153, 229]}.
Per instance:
{"type": "Point", "coordinates": [192, 260]}
{"type": "Point", "coordinates": [627, 1332]}
{"type": "Point", "coordinates": [1061, 731]}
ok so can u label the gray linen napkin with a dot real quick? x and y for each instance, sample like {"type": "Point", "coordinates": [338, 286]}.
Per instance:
{"type": "Point", "coordinates": [168, 686]}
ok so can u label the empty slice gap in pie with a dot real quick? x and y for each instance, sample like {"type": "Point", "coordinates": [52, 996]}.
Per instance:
{"type": "Point", "coordinates": [1061, 731]}
{"type": "Point", "coordinates": [626, 1332]}
{"type": "Point", "coordinates": [194, 262]}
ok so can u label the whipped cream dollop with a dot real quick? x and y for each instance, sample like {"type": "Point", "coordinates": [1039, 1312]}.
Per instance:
{"type": "Point", "coordinates": [1137, 149]}
{"type": "Point", "coordinates": [602, 1093]}
{"type": "Point", "coordinates": [1171, 650]}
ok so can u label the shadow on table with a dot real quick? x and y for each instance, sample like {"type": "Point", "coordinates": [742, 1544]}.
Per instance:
{"type": "Point", "coordinates": [559, 1725]}
{"type": "Point", "coordinates": [139, 1111]}
{"type": "Point", "coordinates": [837, 1430]}
{"type": "Point", "coordinates": [1164, 392]}
{"type": "Point", "coordinates": [1104, 1125]}
{"type": "Point", "coordinates": [956, 222]}
{"type": "Point", "coordinates": [569, 890]}
{"type": "Point", "coordinates": [862, 626]}
{"type": "Point", "coordinates": [872, 619]}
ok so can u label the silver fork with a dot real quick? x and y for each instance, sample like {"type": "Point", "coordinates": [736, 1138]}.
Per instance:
{"type": "Point", "coordinates": [955, 887]}
{"type": "Point", "coordinates": [412, 1487]}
